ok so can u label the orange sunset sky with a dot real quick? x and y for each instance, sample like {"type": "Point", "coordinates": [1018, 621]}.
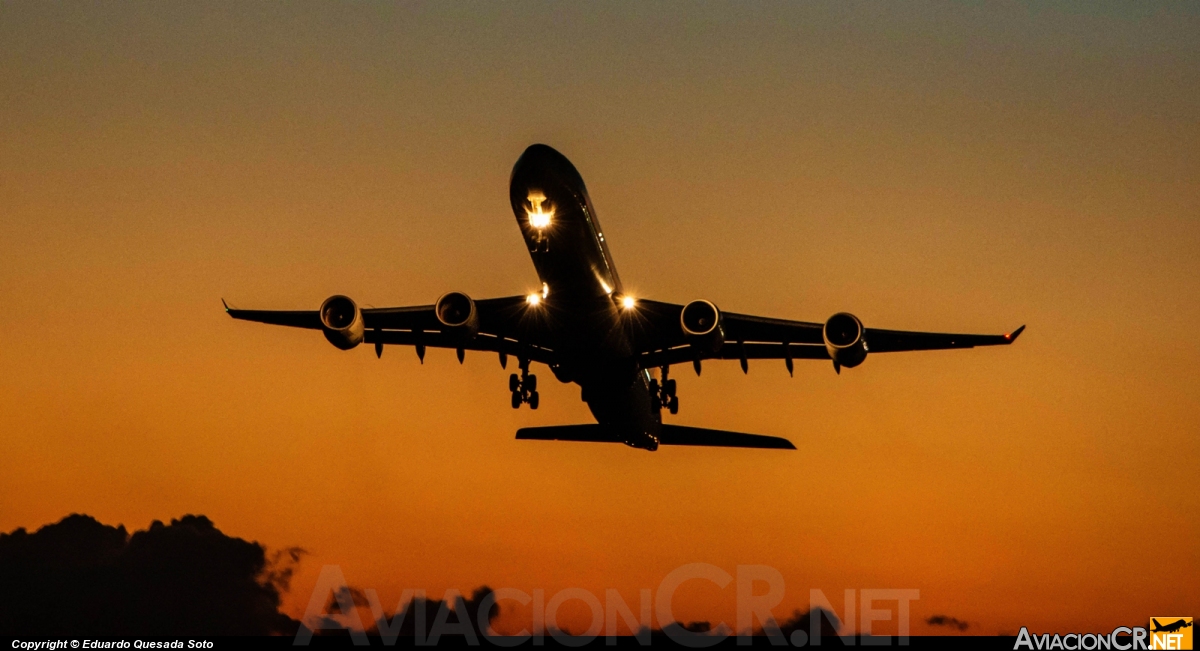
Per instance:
{"type": "Point", "coordinates": [936, 166]}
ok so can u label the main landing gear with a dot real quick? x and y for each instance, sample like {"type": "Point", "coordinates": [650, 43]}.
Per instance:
{"type": "Point", "coordinates": [663, 394]}
{"type": "Point", "coordinates": [523, 387]}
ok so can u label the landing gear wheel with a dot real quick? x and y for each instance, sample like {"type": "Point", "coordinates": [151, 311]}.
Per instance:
{"type": "Point", "coordinates": [669, 387]}
{"type": "Point", "coordinates": [516, 399]}
{"type": "Point", "coordinates": [514, 382]}
{"type": "Point", "coordinates": [531, 383]}
{"type": "Point", "coordinates": [655, 402]}
{"type": "Point", "coordinates": [533, 399]}
{"type": "Point", "coordinates": [674, 405]}
{"type": "Point", "coordinates": [653, 387]}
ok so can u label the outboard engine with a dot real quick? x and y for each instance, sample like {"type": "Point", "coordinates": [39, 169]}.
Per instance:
{"type": "Point", "coordinates": [843, 334]}
{"type": "Point", "coordinates": [342, 322]}
{"type": "Point", "coordinates": [701, 323]}
{"type": "Point", "coordinates": [456, 312]}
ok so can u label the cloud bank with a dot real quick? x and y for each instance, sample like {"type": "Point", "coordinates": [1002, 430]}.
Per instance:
{"type": "Point", "coordinates": [82, 577]}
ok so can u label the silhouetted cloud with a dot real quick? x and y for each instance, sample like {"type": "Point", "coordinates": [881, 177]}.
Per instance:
{"type": "Point", "coordinates": [344, 593]}
{"type": "Point", "coordinates": [948, 621]}
{"type": "Point", "coordinates": [420, 617]}
{"type": "Point", "coordinates": [428, 609]}
{"type": "Point", "coordinates": [803, 621]}
{"type": "Point", "coordinates": [79, 576]}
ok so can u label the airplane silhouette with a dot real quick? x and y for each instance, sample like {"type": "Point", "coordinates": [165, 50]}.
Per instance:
{"type": "Point", "coordinates": [583, 324]}
{"type": "Point", "coordinates": [1169, 628]}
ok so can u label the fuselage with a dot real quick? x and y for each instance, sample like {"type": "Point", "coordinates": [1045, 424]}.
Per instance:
{"type": "Point", "coordinates": [582, 294]}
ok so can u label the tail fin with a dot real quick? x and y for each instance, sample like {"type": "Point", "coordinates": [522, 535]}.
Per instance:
{"type": "Point", "coordinates": [671, 435]}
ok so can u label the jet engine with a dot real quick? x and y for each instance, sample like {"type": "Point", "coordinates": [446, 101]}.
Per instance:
{"type": "Point", "coordinates": [701, 322]}
{"type": "Point", "coordinates": [843, 334]}
{"type": "Point", "coordinates": [342, 322]}
{"type": "Point", "coordinates": [456, 312]}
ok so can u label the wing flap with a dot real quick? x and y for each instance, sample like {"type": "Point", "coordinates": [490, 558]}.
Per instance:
{"type": "Point", "coordinates": [437, 339]}
{"type": "Point", "coordinates": [732, 350]}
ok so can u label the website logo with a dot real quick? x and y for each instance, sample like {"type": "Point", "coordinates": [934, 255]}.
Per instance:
{"type": "Point", "coordinates": [1170, 632]}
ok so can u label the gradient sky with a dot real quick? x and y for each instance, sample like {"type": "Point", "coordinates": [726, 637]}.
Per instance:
{"type": "Point", "coordinates": [954, 167]}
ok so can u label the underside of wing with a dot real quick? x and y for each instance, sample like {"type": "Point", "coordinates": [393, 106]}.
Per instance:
{"type": "Point", "coordinates": [659, 326]}
{"type": "Point", "coordinates": [659, 332]}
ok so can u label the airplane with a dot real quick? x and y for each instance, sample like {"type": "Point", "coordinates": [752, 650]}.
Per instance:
{"type": "Point", "coordinates": [1169, 628]}
{"type": "Point", "coordinates": [588, 330]}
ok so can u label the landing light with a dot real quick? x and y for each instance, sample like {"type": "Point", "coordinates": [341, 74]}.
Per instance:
{"type": "Point", "coordinates": [628, 302]}
{"type": "Point", "coordinates": [533, 299]}
{"type": "Point", "coordinates": [539, 217]}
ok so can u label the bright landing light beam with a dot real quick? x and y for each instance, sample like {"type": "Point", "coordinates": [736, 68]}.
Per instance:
{"type": "Point", "coordinates": [539, 217]}
{"type": "Point", "coordinates": [535, 298]}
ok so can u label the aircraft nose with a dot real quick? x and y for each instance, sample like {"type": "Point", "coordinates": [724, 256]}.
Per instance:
{"type": "Point", "coordinates": [543, 169]}
{"type": "Point", "coordinates": [539, 161]}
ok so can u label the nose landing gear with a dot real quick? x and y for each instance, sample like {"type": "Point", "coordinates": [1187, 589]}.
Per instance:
{"type": "Point", "coordinates": [662, 394]}
{"type": "Point", "coordinates": [523, 387]}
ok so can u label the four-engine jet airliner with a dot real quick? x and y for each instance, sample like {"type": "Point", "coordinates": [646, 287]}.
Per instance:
{"type": "Point", "coordinates": [588, 330]}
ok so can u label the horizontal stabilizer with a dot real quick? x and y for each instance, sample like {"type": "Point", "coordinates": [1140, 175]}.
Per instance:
{"type": "Point", "coordinates": [683, 435]}
{"type": "Point", "coordinates": [671, 435]}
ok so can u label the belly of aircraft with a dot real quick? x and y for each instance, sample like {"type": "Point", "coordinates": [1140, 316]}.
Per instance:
{"type": "Point", "coordinates": [581, 292]}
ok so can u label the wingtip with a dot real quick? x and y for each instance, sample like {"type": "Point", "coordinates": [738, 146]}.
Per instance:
{"type": "Point", "coordinates": [226, 305]}
{"type": "Point", "coordinates": [1012, 336]}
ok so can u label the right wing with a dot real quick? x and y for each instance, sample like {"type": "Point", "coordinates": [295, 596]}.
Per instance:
{"type": "Point", "coordinates": [505, 326]}
{"type": "Point", "coordinates": [659, 337]}
{"type": "Point", "coordinates": [898, 341]}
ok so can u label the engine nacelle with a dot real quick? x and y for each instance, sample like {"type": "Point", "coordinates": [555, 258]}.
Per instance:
{"type": "Point", "coordinates": [456, 312]}
{"type": "Point", "coordinates": [342, 322]}
{"type": "Point", "coordinates": [843, 334]}
{"type": "Point", "coordinates": [701, 323]}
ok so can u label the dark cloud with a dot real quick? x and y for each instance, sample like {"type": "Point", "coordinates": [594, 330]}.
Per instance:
{"type": "Point", "coordinates": [803, 621]}
{"type": "Point", "coordinates": [81, 577]}
{"type": "Point", "coordinates": [346, 594]}
{"type": "Point", "coordinates": [948, 621]}
{"type": "Point", "coordinates": [472, 606]}
{"type": "Point", "coordinates": [436, 617]}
